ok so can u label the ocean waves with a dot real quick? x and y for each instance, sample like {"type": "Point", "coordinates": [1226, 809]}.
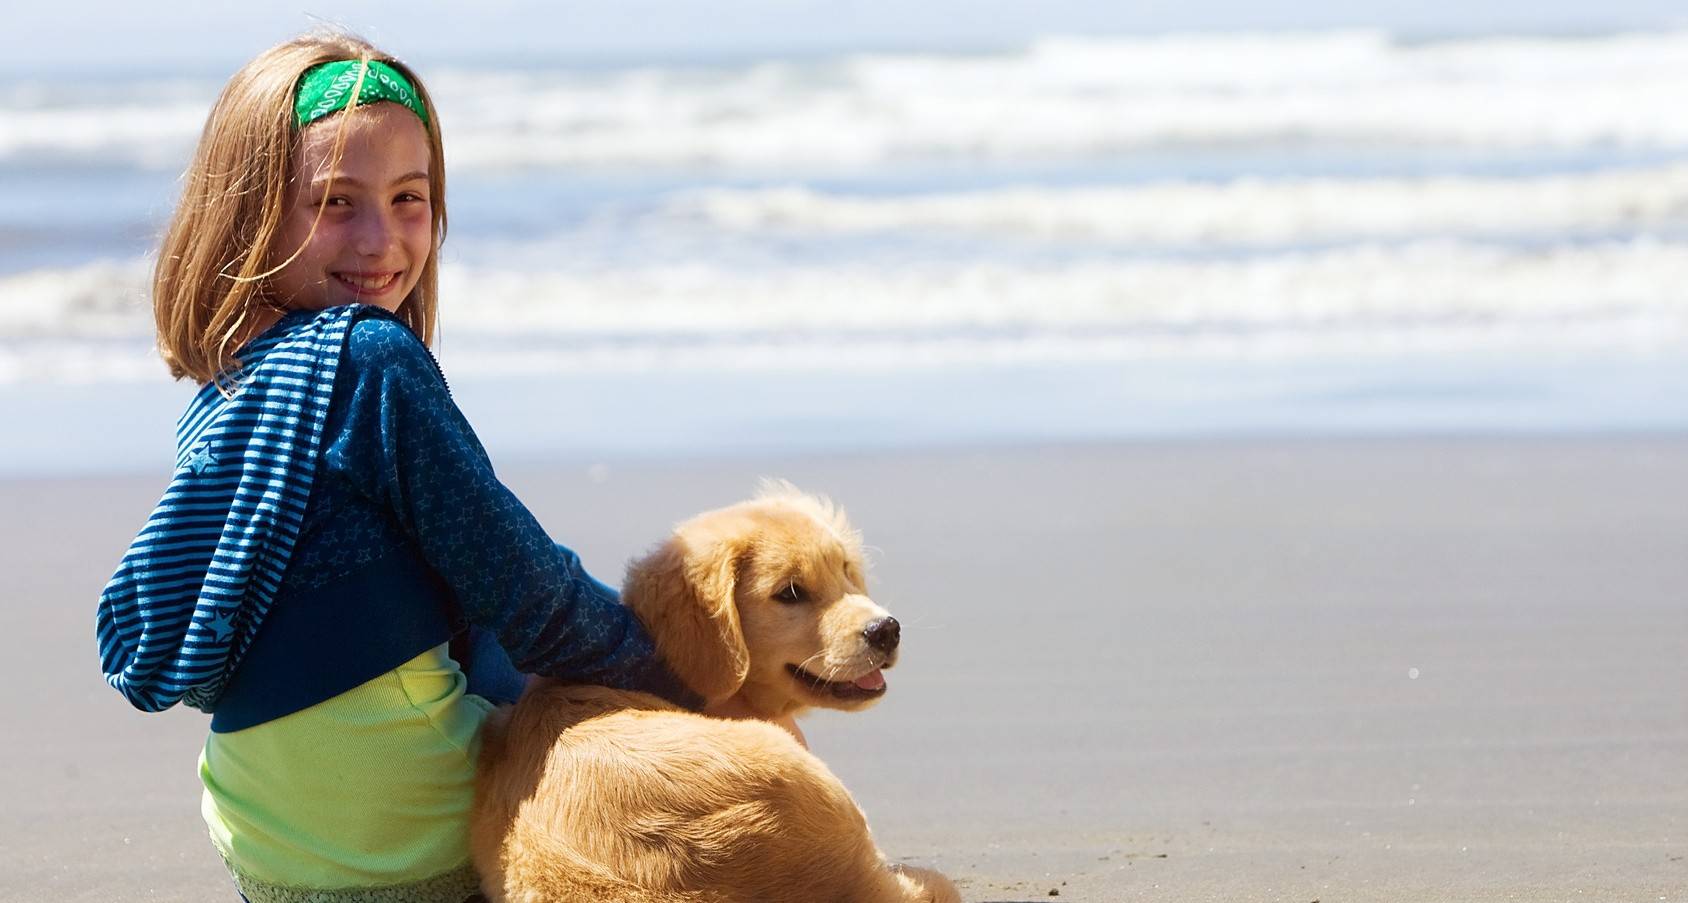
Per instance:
{"type": "Point", "coordinates": [1246, 212]}
{"type": "Point", "coordinates": [1055, 99]}
{"type": "Point", "coordinates": [91, 323]}
{"type": "Point", "coordinates": [1175, 197]}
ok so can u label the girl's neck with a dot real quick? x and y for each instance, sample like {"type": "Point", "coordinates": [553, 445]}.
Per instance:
{"type": "Point", "coordinates": [263, 317]}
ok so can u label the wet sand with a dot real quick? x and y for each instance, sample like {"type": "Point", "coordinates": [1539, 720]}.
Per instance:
{"type": "Point", "coordinates": [1338, 671]}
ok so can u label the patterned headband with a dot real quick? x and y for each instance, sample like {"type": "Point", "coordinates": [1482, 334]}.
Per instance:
{"type": "Point", "coordinates": [327, 88]}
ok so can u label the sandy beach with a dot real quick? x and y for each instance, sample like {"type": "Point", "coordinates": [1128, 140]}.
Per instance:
{"type": "Point", "coordinates": [1415, 670]}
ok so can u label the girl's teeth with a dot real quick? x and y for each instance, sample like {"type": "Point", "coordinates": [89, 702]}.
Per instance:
{"type": "Point", "coordinates": [369, 283]}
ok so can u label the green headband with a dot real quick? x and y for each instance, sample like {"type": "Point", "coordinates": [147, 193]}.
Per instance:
{"type": "Point", "coordinates": [327, 88]}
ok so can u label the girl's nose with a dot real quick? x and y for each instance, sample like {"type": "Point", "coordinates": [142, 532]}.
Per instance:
{"type": "Point", "coordinates": [375, 235]}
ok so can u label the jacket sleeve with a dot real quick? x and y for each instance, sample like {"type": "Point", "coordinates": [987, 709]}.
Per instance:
{"type": "Point", "coordinates": [410, 448]}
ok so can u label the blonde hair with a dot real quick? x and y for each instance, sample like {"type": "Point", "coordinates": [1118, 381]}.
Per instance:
{"type": "Point", "coordinates": [209, 282]}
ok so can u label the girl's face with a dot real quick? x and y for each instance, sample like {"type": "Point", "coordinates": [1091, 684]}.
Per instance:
{"type": "Point", "coordinates": [376, 230]}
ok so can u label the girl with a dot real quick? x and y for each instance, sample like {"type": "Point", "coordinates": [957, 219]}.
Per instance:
{"type": "Point", "coordinates": [333, 524]}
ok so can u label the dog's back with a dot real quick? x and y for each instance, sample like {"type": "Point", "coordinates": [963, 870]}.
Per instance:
{"type": "Point", "coordinates": [587, 793]}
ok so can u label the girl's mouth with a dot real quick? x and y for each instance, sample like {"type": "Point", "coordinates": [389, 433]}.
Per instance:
{"type": "Point", "coordinates": [367, 284]}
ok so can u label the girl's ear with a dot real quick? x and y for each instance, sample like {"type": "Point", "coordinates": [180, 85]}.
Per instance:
{"type": "Point", "coordinates": [684, 594]}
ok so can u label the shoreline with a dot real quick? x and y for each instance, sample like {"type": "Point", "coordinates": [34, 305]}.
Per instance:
{"type": "Point", "coordinates": [678, 415]}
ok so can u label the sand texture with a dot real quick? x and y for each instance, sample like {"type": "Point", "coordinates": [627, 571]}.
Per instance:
{"type": "Point", "coordinates": [1335, 671]}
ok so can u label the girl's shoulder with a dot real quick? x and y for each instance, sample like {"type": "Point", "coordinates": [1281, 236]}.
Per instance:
{"type": "Point", "coordinates": [368, 331]}
{"type": "Point", "coordinates": [382, 356]}
{"type": "Point", "coordinates": [374, 331]}
{"type": "Point", "coordinates": [377, 339]}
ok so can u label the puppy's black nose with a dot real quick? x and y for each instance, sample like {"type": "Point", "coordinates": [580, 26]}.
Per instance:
{"type": "Point", "coordinates": [883, 634]}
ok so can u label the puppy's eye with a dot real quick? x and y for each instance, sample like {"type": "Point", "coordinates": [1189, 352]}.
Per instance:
{"type": "Point", "coordinates": [791, 594]}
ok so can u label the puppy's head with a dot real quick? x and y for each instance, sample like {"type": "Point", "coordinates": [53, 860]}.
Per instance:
{"type": "Point", "coordinates": [767, 599]}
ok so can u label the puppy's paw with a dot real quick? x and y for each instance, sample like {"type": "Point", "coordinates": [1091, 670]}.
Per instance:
{"type": "Point", "coordinates": [924, 885]}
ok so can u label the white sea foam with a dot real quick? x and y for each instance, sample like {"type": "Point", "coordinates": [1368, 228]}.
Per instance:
{"type": "Point", "coordinates": [145, 136]}
{"type": "Point", "coordinates": [1623, 292]}
{"type": "Point", "coordinates": [1070, 98]}
{"type": "Point", "coordinates": [1618, 297]}
{"type": "Point", "coordinates": [1060, 98]}
{"type": "Point", "coordinates": [1247, 212]}
{"type": "Point", "coordinates": [101, 299]}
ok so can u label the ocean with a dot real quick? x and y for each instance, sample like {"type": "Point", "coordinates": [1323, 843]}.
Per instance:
{"type": "Point", "coordinates": [1075, 239]}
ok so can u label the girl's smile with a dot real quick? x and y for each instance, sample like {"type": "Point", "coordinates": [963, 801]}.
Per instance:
{"type": "Point", "coordinates": [362, 230]}
{"type": "Point", "coordinates": [369, 284]}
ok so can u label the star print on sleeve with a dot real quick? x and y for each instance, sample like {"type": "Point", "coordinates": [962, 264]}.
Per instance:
{"type": "Point", "coordinates": [202, 459]}
{"type": "Point", "coordinates": [222, 625]}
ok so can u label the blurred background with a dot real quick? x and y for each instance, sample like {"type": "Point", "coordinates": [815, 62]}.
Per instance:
{"type": "Point", "coordinates": [794, 225]}
{"type": "Point", "coordinates": [1267, 417]}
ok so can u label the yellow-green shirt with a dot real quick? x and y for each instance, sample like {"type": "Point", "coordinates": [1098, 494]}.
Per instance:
{"type": "Point", "coordinates": [370, 789]}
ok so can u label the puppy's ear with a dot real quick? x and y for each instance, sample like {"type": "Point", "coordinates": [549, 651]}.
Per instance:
{"type": "Point", "coordinates": [684, 594]}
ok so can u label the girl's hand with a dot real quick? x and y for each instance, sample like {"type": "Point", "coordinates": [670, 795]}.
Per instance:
{"type": "Point", "coordinates": [735, 707]}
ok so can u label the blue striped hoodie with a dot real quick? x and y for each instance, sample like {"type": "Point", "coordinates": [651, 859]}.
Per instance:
{"type": "Point", "coordinates": [184, 604]}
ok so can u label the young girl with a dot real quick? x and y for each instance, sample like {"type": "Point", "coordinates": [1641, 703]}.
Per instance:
{"type": "Point", "coordinates": [333, 524]}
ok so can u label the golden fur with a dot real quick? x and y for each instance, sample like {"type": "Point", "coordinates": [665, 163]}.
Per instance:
{"type": "Point", "coordinates": [591, 794]}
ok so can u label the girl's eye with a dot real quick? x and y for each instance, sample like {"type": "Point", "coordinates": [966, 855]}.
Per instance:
{"type": "Point", "coordinates": [791, 594]}
{"type": "Point", "coordinates": [337, 201]}
{"type": "Point", "coordinates": [412, 196]}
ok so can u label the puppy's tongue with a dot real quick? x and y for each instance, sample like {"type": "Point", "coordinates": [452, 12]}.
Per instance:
{"type": "Point", "coordinates": [873, 680]}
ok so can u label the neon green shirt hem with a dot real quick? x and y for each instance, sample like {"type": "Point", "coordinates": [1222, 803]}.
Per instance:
{"type": "Point", "coordinates": [370, 789]}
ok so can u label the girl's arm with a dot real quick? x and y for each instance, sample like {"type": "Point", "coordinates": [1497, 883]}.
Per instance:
{"type": "Point", "coordinates": [405, 439]}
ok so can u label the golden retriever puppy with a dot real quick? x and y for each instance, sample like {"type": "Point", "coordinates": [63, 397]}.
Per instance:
{"type": "Point", "coordinates": [591, 794]}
